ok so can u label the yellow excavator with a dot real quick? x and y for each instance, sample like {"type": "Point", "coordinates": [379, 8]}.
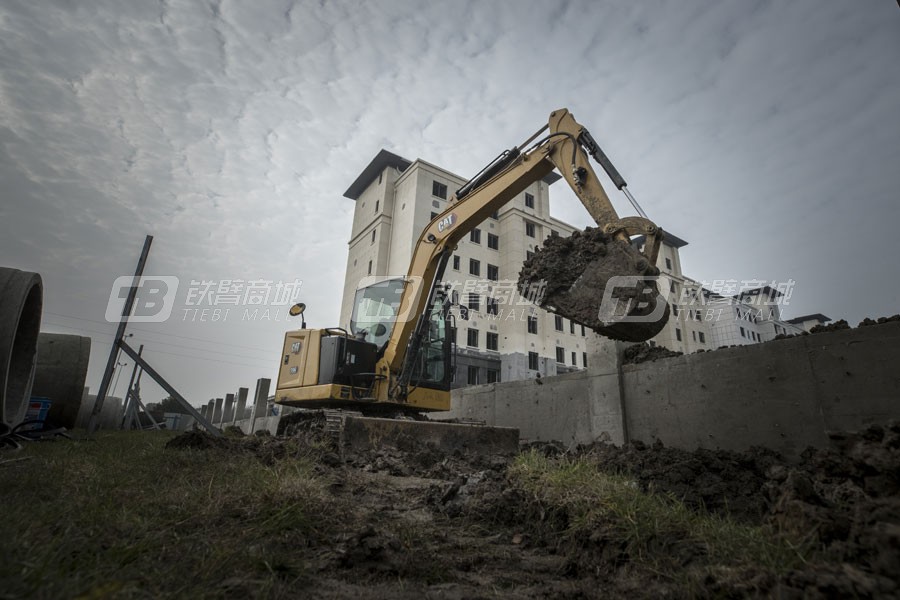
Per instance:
{"type": "Point", "coordinates": [397, 354]}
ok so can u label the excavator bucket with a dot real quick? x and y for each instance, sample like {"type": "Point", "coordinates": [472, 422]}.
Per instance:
{"type": "Point", "coordinates": [600, 282]}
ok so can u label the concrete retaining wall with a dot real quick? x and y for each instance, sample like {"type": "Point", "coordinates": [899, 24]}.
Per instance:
{"type": "Point", "coordinates": [785, 394]}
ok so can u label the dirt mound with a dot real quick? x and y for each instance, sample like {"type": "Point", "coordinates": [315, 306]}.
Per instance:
{"type": "Point", "coordinates": [200, 440]}
{"type": "Point", "coordinates": [867, 322]}
{"type": "Point", "coordinates": [730, 483]}
{"type": "Point", "coordinates": [836, 326]}
{"type": "Point", "coordinates": [640, 353]}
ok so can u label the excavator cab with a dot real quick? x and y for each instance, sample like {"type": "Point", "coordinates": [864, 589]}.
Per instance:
{"type": "Point", "coordinates": [327, 368]}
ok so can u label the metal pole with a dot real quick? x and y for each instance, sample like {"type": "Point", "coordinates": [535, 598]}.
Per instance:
{"type": "Point", "coordinates": [128, 392]}
{"type": "Point", "coordinates": [168, 387]}
{"type": "Point", "coordinates": [120, 332]}
{"type": "Point", "coordinates": [138, 403]}
{"type": "Point", "coordinates": [132, 411]}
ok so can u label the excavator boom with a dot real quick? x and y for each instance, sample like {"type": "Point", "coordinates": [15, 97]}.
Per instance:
{"type": "Point", "coordinates": [597, 278]}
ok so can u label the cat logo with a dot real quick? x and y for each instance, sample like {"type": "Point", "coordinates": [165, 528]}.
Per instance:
{"type": "Point", "coordinates": [447, 222]}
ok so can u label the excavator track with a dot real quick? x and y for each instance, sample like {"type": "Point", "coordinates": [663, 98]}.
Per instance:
{"type": "Point", "coordinates": [581, 277]}
{"type": "Point", "coordinates": [347, 429]}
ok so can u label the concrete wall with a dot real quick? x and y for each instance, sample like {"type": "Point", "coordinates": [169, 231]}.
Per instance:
{"type": "Point", "coordinates": [785, 394]}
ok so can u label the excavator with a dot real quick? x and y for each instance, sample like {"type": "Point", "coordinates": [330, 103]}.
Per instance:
{"type": "Point", "coordinates": [397, 355]}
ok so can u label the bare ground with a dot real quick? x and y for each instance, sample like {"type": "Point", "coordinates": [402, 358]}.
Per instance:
{"type": "Point", "coordinates": [638, 521]}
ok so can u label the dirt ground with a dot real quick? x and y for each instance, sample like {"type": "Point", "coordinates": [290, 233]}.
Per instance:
{"type": "Point", "coordinates": [423, 524]}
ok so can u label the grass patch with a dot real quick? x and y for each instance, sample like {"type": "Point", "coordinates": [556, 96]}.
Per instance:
{"type": "Point", "coordinates": [612, 524]}
{"type": "Point", "coordinates": [121, 515]}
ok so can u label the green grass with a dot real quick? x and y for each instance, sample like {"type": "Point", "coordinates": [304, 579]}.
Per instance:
{"type": "Point", "coordinates": [122, 516]}
{"type": "Point", "coordinates": [593, 510]}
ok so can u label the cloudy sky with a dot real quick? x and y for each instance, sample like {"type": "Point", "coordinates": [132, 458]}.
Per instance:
{"type": "Point", "coordinates": [766, 134]}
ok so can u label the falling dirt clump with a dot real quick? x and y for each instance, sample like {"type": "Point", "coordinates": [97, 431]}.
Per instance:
{"type": "Point", "coordinates": [640, 353]}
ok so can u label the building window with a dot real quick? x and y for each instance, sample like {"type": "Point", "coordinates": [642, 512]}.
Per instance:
{"type": "Point", "coordinates": [474, 302]}
{"type": "Point", "coordinates": [376, 203]}
{"type": "Point", "coordinates": [370, 267]}
{"type": "Point", "coordinates": [456, 263]}
{"type": "Point", "coordinates": [492, 341]}
{"type": "Point", "coordinates": [492, 305]}
{"type": "Point", "coordinates": [473, 375]}
{"type": "Point", "coordinates": [558, 323]}
{"type": "Point", "coordinates": [532, 324]}
{"type": "Point", "coordinates": [677, 334]}
{"type": "Point", "coordinates": [529, 200]}
{"type": "Point", "coordinates": [574, 359]}
{"type": "Point", "coordinates": [561, 355]}
{"type": "Point", "coordinates": [672, 287]}
{"type": "Point", "coordinates": [668, 264]}
{"type": "Point", "coordinates": [439, 189]}
{"type": "Point", "coordinates": [529, 229]}
{"type": "Point", "coordinates": [433, 215]}
{"type": "Point", "coordinates": [694, 335]}
{"type": "Point", "coordinates": [572, 327]}
{"type": "Point", "coordinates": [702, 337]}
{"type": "Point", "coordinates": [674, 310]}
{"type": "Point", "coordinates": [493, 241]}
{"type": "Point", "coordinates": [533, 361]}
{"type": "Point", "coordinates": [472, 338]}
{"type": "Point", "coordinates": [475, 236]}
{"type": "Point", "coordinates": [529, 255]}
{"type": "Point", "coordinates": [582, 331]}
{"type": "Point", "coordinates": [584, 359]}
{"type": "Point", "coordinates": [493, 376]}
{"type": "Point", "coordinates": [554, 233]}
{"type": "Point", "coordinates": [742, 330]}
{"type": "Point", "coordinates": [474, 267]}
{"type": "Point", "coordinates": [373, 237]}
{"type": "Point", "coordinates": [493, 272]}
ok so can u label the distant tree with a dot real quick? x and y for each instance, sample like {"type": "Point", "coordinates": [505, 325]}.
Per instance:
{"type": "Point", "coordinates": [167, 405]}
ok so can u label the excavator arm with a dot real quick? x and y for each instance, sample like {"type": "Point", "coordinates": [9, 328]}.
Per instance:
{"type": "Point", "coordinates": [566, 148]}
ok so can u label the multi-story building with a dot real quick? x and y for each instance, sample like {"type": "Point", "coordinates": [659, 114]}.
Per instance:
{"type": "Point", "coordinates": [686, 330]}
{"type": "Point", "coordinates": [807, 322]}
{"type": "Point", "coordinates": [505, 337]}
{"type": "Point", "coordinates": [704, 319]}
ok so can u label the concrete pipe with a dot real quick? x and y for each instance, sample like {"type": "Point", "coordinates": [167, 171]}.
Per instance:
{"type": "Point", "coordinates": [21, 302]}
{"type": "Point", "coordinates": [62, 364]}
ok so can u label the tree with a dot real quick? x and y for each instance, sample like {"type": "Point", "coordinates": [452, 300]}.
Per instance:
{"type": "Point", "coordinates": [168, 405]}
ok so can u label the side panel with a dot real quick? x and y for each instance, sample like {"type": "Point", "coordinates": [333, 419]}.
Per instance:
{"type": "Point", "coordinates": [300, 358]}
